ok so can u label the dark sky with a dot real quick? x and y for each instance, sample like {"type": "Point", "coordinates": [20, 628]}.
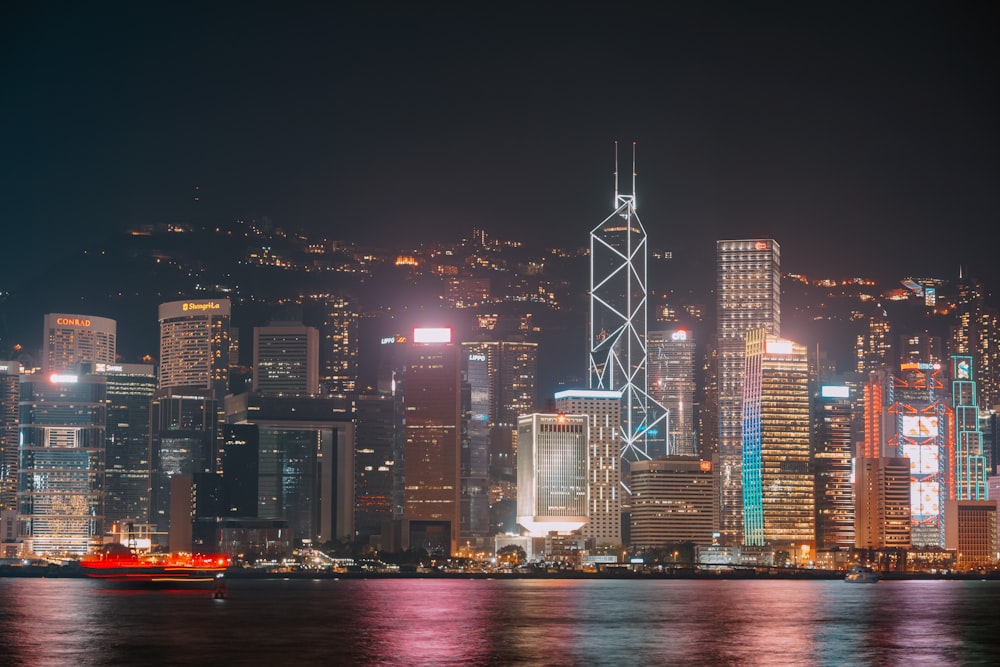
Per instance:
{"type": "Point", "coordinates": [863, 136]}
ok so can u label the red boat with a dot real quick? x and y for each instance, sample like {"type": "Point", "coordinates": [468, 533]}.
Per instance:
{"type": "Point", "coordinates": [180, 570]}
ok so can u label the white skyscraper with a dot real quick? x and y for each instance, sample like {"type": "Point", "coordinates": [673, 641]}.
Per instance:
{"type": "Point", "coordinates": [749, 297]}
{"type": "Point", "coordinates": [552, 462]}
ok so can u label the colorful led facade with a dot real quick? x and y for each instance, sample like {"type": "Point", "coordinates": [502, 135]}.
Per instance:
{"type": "Point", "coordinates": [617, 318]}
{"type": "Point", "coordinates": [968, 469]}
{"type": "Point", "coordinates": [917, 425]}
{"type": "Point", "coordinates": [778, 481]}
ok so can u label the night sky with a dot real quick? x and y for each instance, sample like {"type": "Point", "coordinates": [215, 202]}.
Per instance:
{"type": "Point", "coordinates": [862, 136]}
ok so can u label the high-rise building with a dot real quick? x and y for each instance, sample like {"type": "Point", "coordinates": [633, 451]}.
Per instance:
{"type": "Point", "coordinates": [194, 345]}
{"type": "Point", "coordinates": [916, 423]}
{"type": "Point", "coordinates": [672, 384]}
{"type": "Point", "coordinates": [882, 503]}
{"type": "Point", "coordinates": [873, 348]}
{"type": "Point", "coordinates": [604, 514]}
{"type": "Point", "coordinates": [969, 465]}
{"type": "Point", "coordinates": [779, 501]}
{"type": "Point", "coordinates": [837, 430]}
{"type": "Point", "coordinates": [187, 412]}
{"type": "Point", "coordinates": [378, 458]}
{"type": "Point", "coordinates": [552, 480]}
{"type": "Point", "coordinates": [71, 341]}
{"type": "Point", "coordinates": [501, 386]}
{"type": "Point", "coordinates": [339, 345]}
{"type": "Point", "coordinates": [432, 501]}
{"type": "Point", "coordinates": [130, 389]}
{"type": "Point", "coordinates": [286, 359]}
{"type": "Point", "coordinates": [976, 334]}
{"type": "Point", "coordinates": [10, 407]}
{"type": "Point", "coordinates": [673, 501]}
{"type": "Point", "coordinates": [748, 281]}
{"type": "Point", "coordinates": [61, 463]}
{"type": "Point", "coordinates": [618, 322]}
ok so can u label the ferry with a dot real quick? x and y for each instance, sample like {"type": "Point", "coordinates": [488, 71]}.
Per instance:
{"type": "Point", "coordinates": [861, 574]}
{"type": "Point", "coordinates": [172, 570]}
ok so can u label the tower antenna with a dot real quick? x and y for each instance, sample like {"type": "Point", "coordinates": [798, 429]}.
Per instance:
{"type": "Point", "coordinates": [615, 205]}
{"type": "Point", "coordinates": [633, 173]}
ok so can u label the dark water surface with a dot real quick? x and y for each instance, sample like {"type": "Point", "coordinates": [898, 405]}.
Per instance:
{"type": "Point", "coordinates": [65, 622]}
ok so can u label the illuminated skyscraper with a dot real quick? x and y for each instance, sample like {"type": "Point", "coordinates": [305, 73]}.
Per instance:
{"type": "Point", "coordinates": [671, 383]}
{"type": "Point", "coordinates": [501, 382]}
{"type": "Point", "coordinates": [432, 502]}
{"type": "Point", "coordinates": [339, 346]}
{"type": "Point", "coordinates": [604, 524]}
{"type": "Point", "coordinates": [911, 416]}
{"type": "Point", "coordinates": [977, 335]}
{"type": "Point", "coordinates": [749, 297]}
{"type": "Point", "coordinates": [836, 432]}
{"type": "Point", "coordinates": [72, 340]}
{"type": "Point", "coordinates": [130, 388]}
{"type": "Point", "coordinates": [873, 348]}
{"type": "Point", "coordinates": [969, 466]}
{"type": "Point", "coordinates": [10, 399]}
{"type": "Point", "coordinates": [779, 501]}
{"type": "Point", "coordinates": [618, 322]}
{"type": "Point", "coordinates": [194, 345]}
{"type": "Point", "coordinates": [61, 463]}
{"type": "Point", "coordinates": [187, 412]}
{"type": "Point", "coordinates": [552, 483]}
{"type": "Point", "coordinates": [286, 360]}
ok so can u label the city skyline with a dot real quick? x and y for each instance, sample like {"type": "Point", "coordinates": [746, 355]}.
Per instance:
{"type": "Point", "coordinates": [868, 127]}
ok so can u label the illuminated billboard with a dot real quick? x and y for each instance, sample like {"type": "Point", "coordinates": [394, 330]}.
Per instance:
{"type": "Point", "coordinates": [920, 426]}
{"type": "Point", "coordinates": [835, 391]}
{"type": "Point", "coordinates": [429, 335]}
{"type": "Point", "coordinates": [925, 499]}
{"type": "Point", "coordinates": [924, 460]}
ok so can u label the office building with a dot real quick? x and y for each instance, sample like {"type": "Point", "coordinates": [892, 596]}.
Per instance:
{"type": "Point", "coordinates": [837, 430]}
{"type": "Point", "coordinates": [604, 513]}
{"type": "Point", "coordinates": [674, 500]}
{"type": "Point", "coordinates": [969, 464]}
{"type": "Point", "coordinates": [778, 480]}
{"type": "Point", "coordinates": [672, 383]}
{"type": "Point", "coordinates": [971, 532]}
{"type": "Point", "coordinates": [618, 321]}
{"type": "Point", "coordinates": [70, 341]}
{"type": "Point", "coordinates": [378, 457]}
{"type": "Point", "coordinates": [882, 503]}
{"type": "Point", "coordinates": [552, 479]}
{"type": "Point", "coordinates": [432, 501]}
{"type": "Point", "coordinates": [130, 389]}
{"type": "Point", "coordinates": [194, 345]}
{"type": "Point", "coordinates": [61, 463]}
{"type": "Point", "coordinates": [339, 345]}
{"type": "Point", "coordinates": [748, 281]}
{"type": "Point", "coordinates": [286, 360]}
{"type": "Point", "coordinates": [501, 386]}
{"type": "Point", "coordinates": [10, 408]}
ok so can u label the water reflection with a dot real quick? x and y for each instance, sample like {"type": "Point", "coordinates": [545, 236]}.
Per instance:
{"type": "Point", "coordinates": [504, 622]}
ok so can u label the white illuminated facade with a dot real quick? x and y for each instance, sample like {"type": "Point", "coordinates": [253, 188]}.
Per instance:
{"type": "Point", "coordinates": [671, 383]}
{"type": "Point", "coordinates": [552, 462]}
{"type": "Point", "coordinates": [60, 492]}
{"type": "Point", "coordinates": [617, 320]}
{"type": "Point", "coordinates": [604, 510]}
